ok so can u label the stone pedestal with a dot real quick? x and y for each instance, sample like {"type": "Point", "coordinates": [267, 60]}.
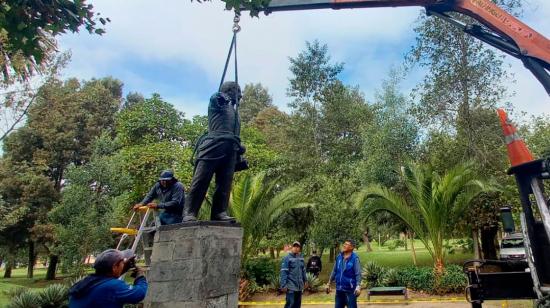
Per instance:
{"type": "Point", "coordinates": [195, 265]}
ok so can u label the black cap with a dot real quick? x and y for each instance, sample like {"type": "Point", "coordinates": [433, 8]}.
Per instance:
{"type": "Point", "coordinates": [105, 260]}
{"type": "Point", "coordinates": [296, 244]}
{"type": "Point", "coordinates": [166, 175]}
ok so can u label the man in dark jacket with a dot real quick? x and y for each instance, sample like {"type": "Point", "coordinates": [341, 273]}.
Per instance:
{"type": "Point", "coordinates": [217, 153]}
{"type": "Point", "coordinates": [104, 289]}
{"type": "Point", "coordinates": [171, 198]}
{"type": "Point", "coordinates": [293, 276]}
{"type": "Point", "coordinates": [314, 264]}
{"type": "Point", "coordinates": [347, 275]}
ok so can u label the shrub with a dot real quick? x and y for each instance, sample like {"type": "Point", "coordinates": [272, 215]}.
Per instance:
{"type": "Point", "coordinates": [372, 275]}
{"type": "Point", "coordinates": [394, 244]}
{"type": "Point", "coordinates": [25, 299]}
{"type": "Point", "coordinates": [390, 278]}
{"type": "Point", "coordinates": [417, 278]}
{"type": "Point", "coordinates": [274, 282]}
{"type": "Point", "coordinates": [453, 280]}
{"type": "Point", "coordinates": [53, 296]}
{"type": "Point", "coordinates": [314, 283]}
{"type": "Point", "coordinates": [260, 270]}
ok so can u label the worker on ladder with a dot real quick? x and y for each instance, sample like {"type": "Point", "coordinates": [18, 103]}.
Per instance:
{"type": "Point", "coordinates": [169, 193]}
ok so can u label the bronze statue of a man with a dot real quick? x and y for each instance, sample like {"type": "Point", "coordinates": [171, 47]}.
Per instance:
{"type": "Point", "coordinates": [217, 153]}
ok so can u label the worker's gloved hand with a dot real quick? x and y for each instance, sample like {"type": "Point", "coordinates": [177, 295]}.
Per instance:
{"type": "Point", "coordinates": [357, 291]}
{"type": "Point", "coordinates": [137, 206]}
{"type": "Point", "coordinates": [284, 290]}
{"type": "Point", "coordinates": [152, 205]}
{"type": "Point", "coordinates": [137, 272]}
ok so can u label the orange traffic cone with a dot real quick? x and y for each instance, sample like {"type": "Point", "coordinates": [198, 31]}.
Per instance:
{"type": "Point", "coordinates": [518, 153]}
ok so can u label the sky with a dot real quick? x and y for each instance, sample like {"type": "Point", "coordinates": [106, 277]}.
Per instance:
{"type": "Point", "coordinates": [177, 48]}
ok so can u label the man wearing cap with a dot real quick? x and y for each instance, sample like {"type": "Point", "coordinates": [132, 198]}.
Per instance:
{"type": "Point", "coordinates": [104, 289]}
{"type": "Point", "coordinates": [347, 275]}
{"type": "Point", "coordinates": [219, 153]}
{"type": "Point", "coordinates": [293, 276]}
{"type": "Point", "coordinates": [170, 195]}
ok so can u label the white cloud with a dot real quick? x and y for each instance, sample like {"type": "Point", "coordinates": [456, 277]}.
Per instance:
{"type": "Point", "coordinates": [187, 33]}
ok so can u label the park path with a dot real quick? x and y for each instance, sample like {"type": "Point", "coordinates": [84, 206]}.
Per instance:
{"type": "Point", "coordinates": [490, 304]}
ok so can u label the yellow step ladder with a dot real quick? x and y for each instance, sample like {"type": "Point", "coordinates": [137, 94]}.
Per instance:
{"type": "Point", "coordinates": [148, 221]}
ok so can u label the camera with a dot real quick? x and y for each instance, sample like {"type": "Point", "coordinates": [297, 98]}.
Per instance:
{"type": "Point", "coordinates": [129, 264]}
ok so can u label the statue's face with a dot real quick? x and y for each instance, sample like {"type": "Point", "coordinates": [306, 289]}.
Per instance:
{"type": "Point", "coordinates": [236, 93]}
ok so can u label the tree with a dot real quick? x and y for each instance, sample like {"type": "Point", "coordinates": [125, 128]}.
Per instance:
{"type": "Point", "coordinates": [26, 196]}
{"type": "Point", "coordinates": [273, 123]}
{"type": "Point", "coordinates": [256, 203]}
{"type": "Point", "coordinates": [149, 121]}
{"type": "Point", "coordinates": [154, 136]}
{"type": "Point", "coordinates": [333, 214]}
{"type": "Point", "coordinates": [389, 138]}
{"type": "Point", "coordinates": [60, 127]}
{"type": "Point", "coordinates": [538, 136]}
{"type": "Point", "coordinates": [433, 204]}
{"type": "Point", "coordinates": [464, 81]}
{"type": "Point", "coordinates": [312, 73]}
{"type": "Point", "coordinates": [255, 99]}
{"type": "Point", "coordinates": [28, 30]}
{"type": "Point", "coordinates": [95, 199]}
{"type": "Point", "coordinates": [343, 115]}
{"type": "Point", "coordinates": [18, 97]}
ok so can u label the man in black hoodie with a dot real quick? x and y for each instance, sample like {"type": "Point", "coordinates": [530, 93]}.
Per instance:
{"type": "Point", "coordinates": [170, 195]}
{"type": "Point", "coordinates": [104, 289]}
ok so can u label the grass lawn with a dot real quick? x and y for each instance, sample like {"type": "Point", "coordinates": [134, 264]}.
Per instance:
{"type": "Point", "coordinates": [396, 258]}
{"type": "Point", "coordinates": [381, 255]}
{"type": "Point", "coordinates": [19, 279]}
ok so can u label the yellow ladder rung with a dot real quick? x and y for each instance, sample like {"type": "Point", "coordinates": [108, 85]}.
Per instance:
{"type": "Point", "coordinates": [143, 208]}
{"type": "Point", "coordinates": [125, 231]}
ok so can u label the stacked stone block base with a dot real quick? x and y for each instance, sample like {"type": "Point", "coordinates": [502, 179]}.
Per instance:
{"type": "Point", "coordinates": [195, 265]}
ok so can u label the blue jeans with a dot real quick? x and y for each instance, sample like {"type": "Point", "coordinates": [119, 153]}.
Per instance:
{"type": "Point", "coordinates": [293, 299]}
{"type": "Point", "coordinates": [169, 218]}
{"type": "Point", "coordinates": [344, 299]}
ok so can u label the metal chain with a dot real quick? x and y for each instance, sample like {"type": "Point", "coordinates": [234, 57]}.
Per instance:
{"type": "Point", "coordinates": [236, 19]}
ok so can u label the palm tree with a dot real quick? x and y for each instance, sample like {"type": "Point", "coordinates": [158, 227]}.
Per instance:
{"type": "Point", "coordinates": [256, 203]}
{"type": "Point", "coordinates": [432, 204]}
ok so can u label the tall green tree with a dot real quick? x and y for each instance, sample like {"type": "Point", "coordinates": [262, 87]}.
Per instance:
{"type": "Point", "coordinates": [433, 204]}
{"type": "Point", "coordinates": [390, 138]}
{"type": "Point", "coordinates": [60, 127]}
{"type": "Point", "coordinates": [464, 82]}
{"type": "Point", "coordinates": [28, 32]}
{"type": "Point", "coordinates": [151, 135]}
{"type": "Point", "coordinates": [27, 195]}
{"type": "Point", "coordinates": [312, 74]}
{"type": "Point", "coordinates": [255, 99]}
{"type": "Point", "coordinates": [94, 200]}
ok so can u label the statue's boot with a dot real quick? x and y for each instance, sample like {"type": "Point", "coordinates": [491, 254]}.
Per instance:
{"type": "Point", "coordinates": [190, 214]}
{"type": "Point", "coordinates": [223, 217]}
{"type": "Point", "coordinates": [189, 218]}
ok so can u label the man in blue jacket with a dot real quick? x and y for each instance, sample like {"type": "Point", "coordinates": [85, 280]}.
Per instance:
{"type": "Point", "coordinates": [347, 275]}
{"type": "Point", "coordinates": [104, 289]}
{"type": "Point", "coordinates": [170, 195]}
{"type": "Point", "coordinates": [293, 276]}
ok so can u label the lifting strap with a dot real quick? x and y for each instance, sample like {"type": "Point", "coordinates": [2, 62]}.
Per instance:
{"type": "Point", "coordinates": [232, 46]}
